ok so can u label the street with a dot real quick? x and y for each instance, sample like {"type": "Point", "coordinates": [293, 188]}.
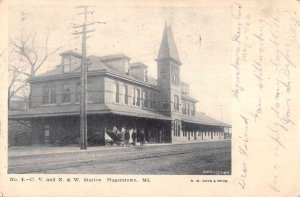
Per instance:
{"type": "Point", "coordinates": [179, 159]}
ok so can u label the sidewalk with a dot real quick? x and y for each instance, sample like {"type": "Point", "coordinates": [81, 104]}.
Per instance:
{"type": "Point", "coordinates": [21, 151]}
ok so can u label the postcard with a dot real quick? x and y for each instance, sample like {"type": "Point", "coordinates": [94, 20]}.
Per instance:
{"type": "Point", "coordinates": [150, 98]}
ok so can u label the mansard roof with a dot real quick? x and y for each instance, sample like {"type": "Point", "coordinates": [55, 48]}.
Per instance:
{"type": "Point", "coordinates": [95, 63]}
{"type": "Point", "coordinates": [168, 47]}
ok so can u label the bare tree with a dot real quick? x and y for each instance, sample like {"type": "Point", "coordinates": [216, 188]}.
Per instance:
{"type": "Point", "coordinates": [29, 61]}
{"type": "Point", "coordinates": [30, 55]}
{"type": "Point", "coordinates": [16, 82]}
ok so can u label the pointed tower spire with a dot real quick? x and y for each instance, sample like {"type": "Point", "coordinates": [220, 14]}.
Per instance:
{"type": "Point", "coordinates": [168, 47]}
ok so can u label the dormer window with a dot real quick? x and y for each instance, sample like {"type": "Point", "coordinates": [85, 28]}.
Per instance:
{"type": "Point", "coordinates": [145, 75]}
{"type": "Point", "coordinates": [67, 64]}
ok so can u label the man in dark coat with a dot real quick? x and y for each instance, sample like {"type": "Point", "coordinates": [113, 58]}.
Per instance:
{"type": "Point", "coordinates": [127, 137]}
{"type": "Point", "coordinates": [142, 135]}
{"type": "Point", "coordinates": [134, 136]}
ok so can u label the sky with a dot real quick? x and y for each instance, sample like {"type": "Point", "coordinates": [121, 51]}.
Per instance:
{"type": "Point", "coordinates": [202, 36]}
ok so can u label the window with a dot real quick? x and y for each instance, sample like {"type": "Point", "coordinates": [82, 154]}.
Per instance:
{"type": "Point", "coordinates": [49, 94]}
{"type": "Point", "coordinates": [152, 100]}
{"type": "Point", "coordinates": [78, 92]}
{"type": "Point", "coordinates": [165, 105]}
{"type": "Point", "coordinates": [176, 103]}
{"type": "Point", "coordinates": [184, 108]}
{"type": "Point", "coordinates": [188, 108]}
{"type": "Point", "coordinates": [53, 93]}
{"type": "Point", "coordinates": [66, 93]}
{"type": "Point", "coordinates": [116, 93]}
{"type": "Point", "coordinates": [175, 127]}
{"type": "Point", "coordinates": [155, 101]}
{"type": "Point", "coordinates": [175, 79]}
{"type": "Point", "coordinates": [136, 97]}
{"type": "Point", "coordinates": [145, 75]}
{"type": "Point", "coordinates": [145, 99]}
{"type": "Point", "coordinates": [193, 111]}
{"type": "Point", "coordinates": [45, 93]}
{"type": "Point", "coordinates": [90, 92]}
{"type": "Point", "coordinates": [125, 91]}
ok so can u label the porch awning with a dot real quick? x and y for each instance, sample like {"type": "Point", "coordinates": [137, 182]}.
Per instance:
{"type": "Point", "coordinates": [57, 110]}
{"type": "Point", "coordinates": [203, 119]}
{"type": "Point", "coordinates": [69, 110]}
{"type": "Point", "coordinates": [136, 112]}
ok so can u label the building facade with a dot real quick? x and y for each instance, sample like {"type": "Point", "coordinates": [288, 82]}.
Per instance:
{"type": "Point", "coordinates": [121, 95]}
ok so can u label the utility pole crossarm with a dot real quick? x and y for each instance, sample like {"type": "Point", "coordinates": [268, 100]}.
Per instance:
{"type": "Point", "coordinates": [77, 26]}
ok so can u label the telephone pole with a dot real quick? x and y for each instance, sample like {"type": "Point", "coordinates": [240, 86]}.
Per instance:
{"type": "Point", "coordinates": [83, 79]}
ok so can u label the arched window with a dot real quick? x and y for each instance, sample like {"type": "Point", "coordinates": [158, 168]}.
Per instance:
{"type": "Point", "coordinates": [176, 103]}
{"type": "Point", "coordinates": [116, 93]}
{"type": "Point", "coordinates": [175, 127]}
{"type": "Point", "coordinates": [175, 79]}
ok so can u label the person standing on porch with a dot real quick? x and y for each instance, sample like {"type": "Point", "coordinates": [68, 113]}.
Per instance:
{"type": "Point", "coordinates": [142, 136]}
{"type": "Point", "coordinates": [122, 136]}
{"type": "Point", "coordinates": [118, 134]}
{"type": "Point", "coordinates": [134, 136]}
{"type": "Point", "coordinates": [127, 137]}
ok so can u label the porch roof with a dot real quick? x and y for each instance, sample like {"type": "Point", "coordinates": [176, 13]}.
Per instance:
{"type": "Point", "coordinates": [69, 110]}
{"type": "Point", "coordinates": [57, 110]}
{"type": "Point", "coordinates": [204, 120]}
{"type": "Point", "coordinates": [136, 112]}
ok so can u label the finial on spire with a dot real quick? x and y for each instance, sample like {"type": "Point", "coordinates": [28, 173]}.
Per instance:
{"type": "Point", "coordinates": [168, 22]}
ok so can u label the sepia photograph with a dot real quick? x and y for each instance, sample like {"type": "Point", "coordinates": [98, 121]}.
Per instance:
{"type": "Point", "coordinates": [119, 90]}
{"type": "Point", "coordinates": [149, 98]}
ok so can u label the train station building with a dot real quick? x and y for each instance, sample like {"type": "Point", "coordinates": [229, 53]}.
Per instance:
{"type": "Point", "coordinates": [121, 95]}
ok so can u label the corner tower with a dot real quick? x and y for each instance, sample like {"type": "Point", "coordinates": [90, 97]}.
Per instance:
{"type": "Point", "coordinates": [168, 75]}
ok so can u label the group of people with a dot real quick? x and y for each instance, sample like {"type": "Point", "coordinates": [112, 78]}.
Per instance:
{"type": "Point", "coordinates": [124, 136]}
